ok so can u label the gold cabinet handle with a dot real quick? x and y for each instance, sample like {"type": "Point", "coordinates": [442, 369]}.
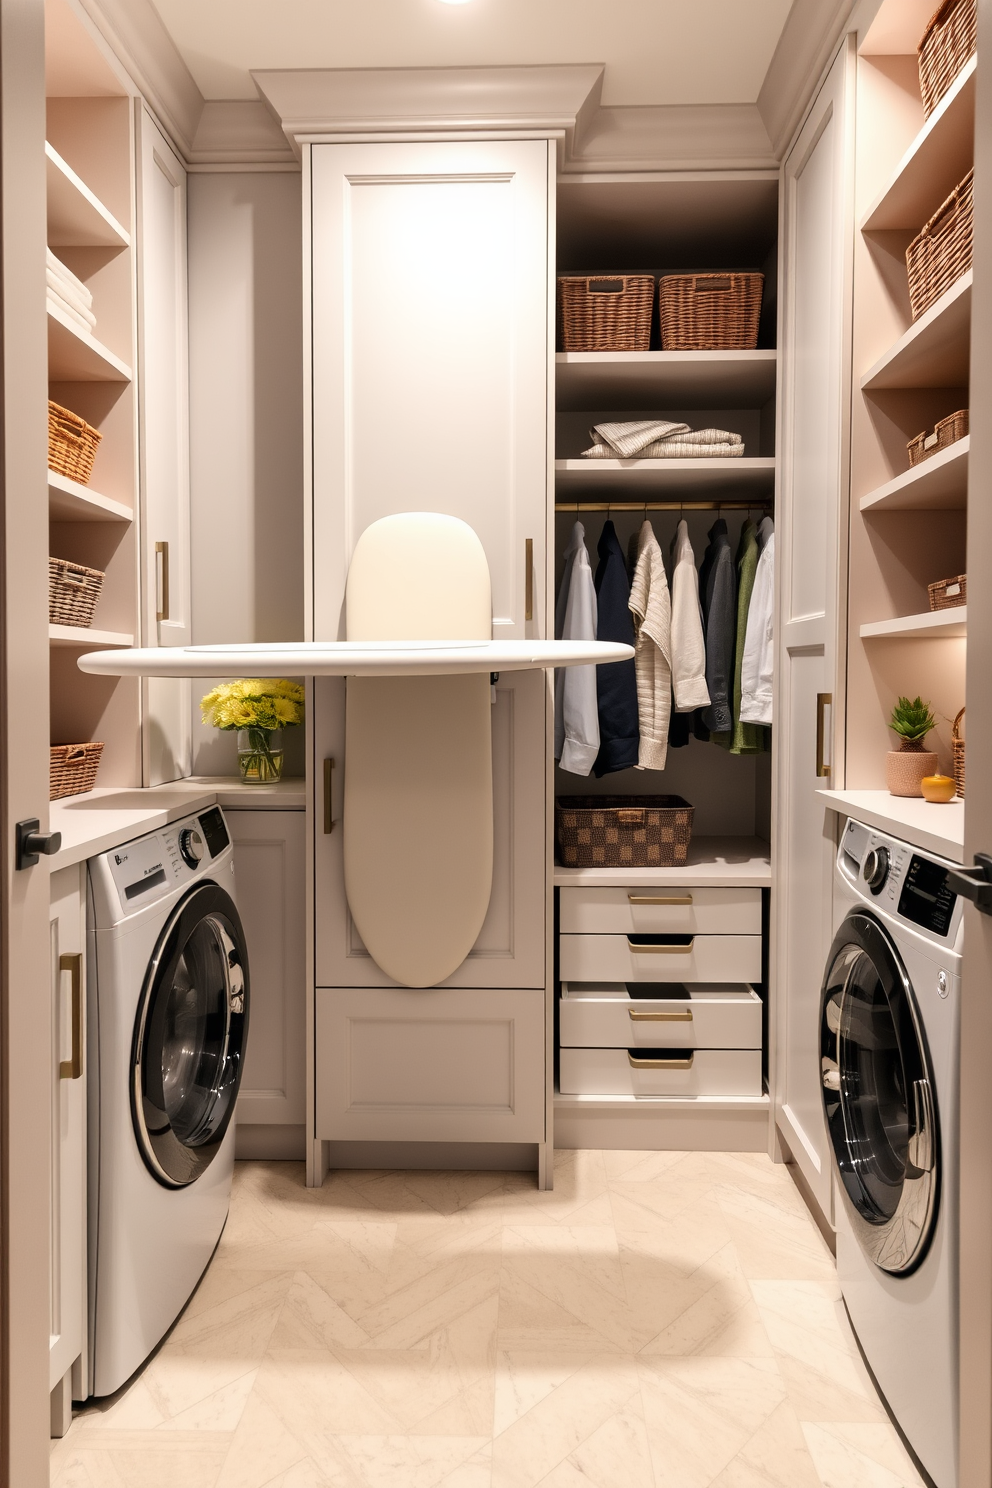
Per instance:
{"type": "Point", "coordinates": [824, 700]}
{"type": "Point", "coordinates": [162, 551]}
{"type": "Point", "coordinates": [328, 802]}
{"type": "Point", "coordinates": [71, 1069]}
{"type": "Point", "coordinates": [659, 898]}
{"type": "Point", "coordinates": [662, 950]}
{"type": "Point", "coordinates": [636, 1063]}
{"type": "Point", "coordinates": [529, 579]}
{"type": "Point", "coordinates": [637, 1015]}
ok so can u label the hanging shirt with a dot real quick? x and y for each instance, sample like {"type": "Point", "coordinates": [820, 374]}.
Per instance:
{"type": "Point", "coordinates": [651, 606]}
{"type": "Point", "coordinates": [758, 664]}
{"type": "Point", "coordinates": [718, 592]}
{"type": "Point", "coordinates": [616, 681]}
{"type": "Point", "coordinates": [743, 737]}
{"type": "Point", "coordinates": [576, 707]}
{"type": "Point", "coordinates": [688, 646]}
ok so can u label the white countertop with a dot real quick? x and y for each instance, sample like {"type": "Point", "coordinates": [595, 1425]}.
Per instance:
{"type": "Point", "coordinates": [105, 817]}
{"type": "Point", "coordinates": [732, 862]}
{"type": "Point", "coordinates": [937, 828]}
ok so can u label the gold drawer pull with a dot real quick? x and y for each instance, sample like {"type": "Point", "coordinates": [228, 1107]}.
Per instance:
{"type": "Point", "coordinates": [636, 1015]}
{"type": "Point", "coordinates": [685, 1063]}
{"type": "Point", "coordinates": [659, 898]}
{"type": "Point", "coordinates": [662, 950]}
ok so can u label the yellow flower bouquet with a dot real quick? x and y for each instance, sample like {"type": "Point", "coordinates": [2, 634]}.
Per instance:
{"type": "Point", "coordinates": [258, 707]}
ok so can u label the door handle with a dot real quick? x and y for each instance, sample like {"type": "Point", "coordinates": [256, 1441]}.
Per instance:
{"type": "Point", "coordinates": [30, 842]}
{"type": "Point", "coordinates": [636, 1015]}
{"type": "Point", "coordinates": [920, 1148]}
{"type": "Point", "coordinates": [71, 1069]}
{"type": "Point", "coordinates": [659, 898]}
{"type": "Point", "coordinates": [974, 883]}
{"type": "Point", "coordinates": [662, 950]}
{"type": "Point", "coordinates": [638, 1063]}
{"type": "Point", "coordinates": [162, 552]}
{"type": "Point", "coordinates": [529, 579]}
{"type": "Point", "coordinates": [824, 700]}
{"type": "Point", "coordinates": [328, 802]}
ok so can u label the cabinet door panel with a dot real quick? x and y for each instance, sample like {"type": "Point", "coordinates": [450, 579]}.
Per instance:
{"type": "Point", "coordinates": [68, 1169]}
{"type": "Point", "coordinates": [510, 950]}
{"type": "Point", "coordinates": [430, 354]}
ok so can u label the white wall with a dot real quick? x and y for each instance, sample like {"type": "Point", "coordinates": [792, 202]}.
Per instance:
{"type": "Point", "coordinates": [246, 424]}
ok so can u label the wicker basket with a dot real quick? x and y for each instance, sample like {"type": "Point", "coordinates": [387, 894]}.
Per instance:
{"type": "Point", "coordinates": [623, 831]}
{"type": "Point", "coordinates": [603, 312]}
{"type": "Point", "coordinates": [72, 443]}
{"type": "Point", "coordinates": [946, 431]}
{"type": "Point", "coordinates": [72, 592]}
{"type": "Point", "coordinates": [72, 769]}
{"type": "Point", "coordinates": [949, 40]}
{"type": "Point", "coordinates": [941, 253]}
{"type": "Point", "coordinates": [957, 753]}
{"type": "Point", "coordinates": [948, 594]}
{"type": "Point", "coordinates": [710, 312]}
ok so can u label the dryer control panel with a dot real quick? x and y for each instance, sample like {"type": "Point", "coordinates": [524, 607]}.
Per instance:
{"type": "Point", "coordinates": [145, 870]}
{"type": "Point", "coordinates": [901, 879]}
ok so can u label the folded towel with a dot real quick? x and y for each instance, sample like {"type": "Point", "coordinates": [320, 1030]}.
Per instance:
{"type": "Point", "coordinates": [659, 439]}
{"type": "Point", "coordinates": [73, 316]}
{"type": "Point", "coordinates": [72, 289]}
{"type": "Point", "coordinates": [72, 307]}
{"type": "Point", "coordinates": [668, 450]}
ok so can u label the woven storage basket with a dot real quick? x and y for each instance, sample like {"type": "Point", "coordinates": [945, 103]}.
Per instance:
{"type": "Point", "coordinates": [946, 431]}
{"type": "Point", "coordinates": [957, 753]}
{"type": "Point", "coordinates": [623, 831]}
{"type": "Point", "coordinates": [710, 312]}
{"type": "Point", "coordinates": [949, 40]}
{"type": "Point", "coordinates": [72, 592]}
{"type": "Point", "coordinates": [948, 594]}
{"type": "Point", "coordinates": [606, 312]}
{"type": "Point", "coordinates": [72, 769]}
{"type": "Point", "coordinates": [941, 253]}
{"type": "Point", "coordinates": [72, 443]}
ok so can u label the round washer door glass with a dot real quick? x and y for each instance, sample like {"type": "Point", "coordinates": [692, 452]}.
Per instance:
{"type": "Point", "coordinates": [878, 1096]}
{"type": "Point", "coordinates": [189, 1037]}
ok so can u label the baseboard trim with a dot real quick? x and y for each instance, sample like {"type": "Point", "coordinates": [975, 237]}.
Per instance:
{"type": "Point", "coordinates": [508, 1157]}
{"type": "Point", "coordinates": [703, 1129]}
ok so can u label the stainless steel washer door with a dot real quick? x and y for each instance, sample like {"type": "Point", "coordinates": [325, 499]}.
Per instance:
{"type": "Point", "coordinates": [878, 1095]}
{"type": "Point", "coordinates": [189, 1037]}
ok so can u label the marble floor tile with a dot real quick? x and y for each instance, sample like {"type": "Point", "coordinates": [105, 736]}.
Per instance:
{"type": "Point", "coordinates": [820, 1364]}
{"type": "Point", "coordinates": [856, 1455]}
{"type": "Point", "coordinates": [551, 1409]}
{"type": "Point", "coordinates": [702, 1412]}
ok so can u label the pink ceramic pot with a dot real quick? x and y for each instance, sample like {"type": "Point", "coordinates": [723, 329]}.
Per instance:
{"type": "Point", "coordinates": [906, 768]}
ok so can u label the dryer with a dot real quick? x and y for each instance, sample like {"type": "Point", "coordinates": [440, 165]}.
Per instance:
{"type": "Point", "coordinates": [889, 1059]}
{"type": "Point", "coordinates": [168, 1023]}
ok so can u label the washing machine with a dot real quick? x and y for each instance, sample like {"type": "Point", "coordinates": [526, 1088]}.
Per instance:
{"type": "Point", "coordinates": [889, 1015]}
{"type": "Point", "coordinates": [168, 1023]}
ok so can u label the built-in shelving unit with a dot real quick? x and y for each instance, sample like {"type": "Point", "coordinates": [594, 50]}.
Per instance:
{"type": "Point", "coordinates": [69, 501]}
{"type": "Point", "coordinates": [73, 356]}
{"type": "Point", "coordinates": [932, 625]}
{"type": "Point", "coordinates": [645, 379]}
{"type": "Point", "coordinates": [672, 477]}
{"type": "Point", "coordinates": [86, 638]}
{"type": "Point", "coordinates": [936, 828]}
{"type": "Point", "coordinates": [77, 218]}
{"type": "Point", "coordinates": [934, 351]}
{"type": "Point", "coordinates": [934, 163]}
{"type": "Point", "coordinates": [939, 483]}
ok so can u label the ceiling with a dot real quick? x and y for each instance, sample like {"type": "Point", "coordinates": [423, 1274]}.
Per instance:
{"type": "Point", "coordinates": [655, 51]}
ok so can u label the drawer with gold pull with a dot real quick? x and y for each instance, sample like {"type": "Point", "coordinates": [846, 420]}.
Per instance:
{"type": "Point", "coordinates": [692, 909]}
{"type": "Point", "coordinates": [699, 1016]}
{"type": "Point", "coordinates": [660, 958]}
{"type": "Point", "coordinates": [660, 1070]}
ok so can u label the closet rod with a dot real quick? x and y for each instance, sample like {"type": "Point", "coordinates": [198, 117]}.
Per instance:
{"type": "Point", "coordinates": [652, 506]}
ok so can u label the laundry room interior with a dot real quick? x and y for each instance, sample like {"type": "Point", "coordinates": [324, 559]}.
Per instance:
{"type": "Point", "coordinates": [494, 951]}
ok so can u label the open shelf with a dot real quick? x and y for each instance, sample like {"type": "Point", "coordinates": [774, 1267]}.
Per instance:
{"type": "Point", "coordinates": [936, 828]}
{"type": "Point", "coordinates": [69, 501]}
{"type": "Point", "coordinates": [671, 477]}
{"type": "Point", "coordinates": [75, 356]}
{"type": "Point", "coordinates": [939, 157]}
{"type": "Point", "coordinates": [82, 638]}
{"type": "Point", "coordinates": [936, 625]}
{"type": "Point", "coordinates": [77, 218]}
{"type": "Point", "coordinates": [936, 349]}
{"type": "Point", "coordinates": [731, 862]}
{"type": "Point", "coordinates": [940, 483]}
{"type": "Point", "coordinates": [659, 379]}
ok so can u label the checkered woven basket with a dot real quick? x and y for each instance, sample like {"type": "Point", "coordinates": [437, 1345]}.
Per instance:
{"type": "Point", "coordinates": [623, 831]}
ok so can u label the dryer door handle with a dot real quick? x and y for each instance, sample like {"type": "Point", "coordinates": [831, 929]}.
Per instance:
{"type": "Point", "coordinates": [921, 1153]}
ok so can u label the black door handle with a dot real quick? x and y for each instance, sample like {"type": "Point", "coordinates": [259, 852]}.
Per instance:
{"type": "Point", "coordinates": [974, 883]}
{"type": "Point", "coordinates": [31, 843]}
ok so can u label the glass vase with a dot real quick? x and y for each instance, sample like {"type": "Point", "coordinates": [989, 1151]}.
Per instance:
{"type": "Point", "coordinates": [259, 756]}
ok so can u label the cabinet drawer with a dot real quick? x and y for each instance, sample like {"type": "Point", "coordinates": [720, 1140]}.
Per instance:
{"type": "Point", "coordinates": [654, 909]}
{"type": "Point", "coordinates": [706, 1017]}
{"type": "Point", "coordinates": [660, 1072]}
{"type": "Point", "coordinates": [693, 958]}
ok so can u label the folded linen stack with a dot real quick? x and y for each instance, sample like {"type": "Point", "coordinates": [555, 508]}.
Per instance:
{"type": "Point", "coordinates": [68, 294]}
{"type": "Point", "coordinates": [660, 439]}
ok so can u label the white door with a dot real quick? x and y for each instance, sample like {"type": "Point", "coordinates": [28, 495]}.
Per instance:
{"type": "Point", "coordinates": [163, 401]}
{"type": "Point", "coordinates": [510, 950]}
{"type": "Point", "coordinates": [815, 341]}
{"type": "Point", "coordinates": [429, 284]}
{"type": "Point", "coordinates": [269, 869]}
{"type": "Point", "coordinates": [68, 1161]}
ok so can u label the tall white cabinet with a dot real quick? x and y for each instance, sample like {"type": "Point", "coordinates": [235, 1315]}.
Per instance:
{"type": "Point", "coordinates": [431, 332]}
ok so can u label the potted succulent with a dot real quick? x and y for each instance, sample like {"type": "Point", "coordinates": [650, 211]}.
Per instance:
{"type": "Point", "coordinates": [259, 708]}
{"type": "Point", "coordinates": [908, 765]}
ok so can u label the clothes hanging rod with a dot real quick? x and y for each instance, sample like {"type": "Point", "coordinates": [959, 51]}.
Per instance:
{"type": "Point", "coordinates": [653, 506]}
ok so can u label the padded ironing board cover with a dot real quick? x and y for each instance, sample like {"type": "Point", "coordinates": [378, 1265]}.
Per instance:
{"type": "Point", "coordinates": [418, 779]}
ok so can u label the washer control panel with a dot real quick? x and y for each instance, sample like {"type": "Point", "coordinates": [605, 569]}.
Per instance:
{"type": "Point", "coordinates": [903, 880]}
{"type": "Point", "coordinates": [144, 870]}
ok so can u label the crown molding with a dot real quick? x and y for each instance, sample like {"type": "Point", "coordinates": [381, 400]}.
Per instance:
{"type": "Point", "coordinates": [239, 132]}
{"type": "Point", "coordinates": [675, 137]}
{"type": "Point", "coordinates": [811, 36]}
{"type": "Point", "coordinates": [135, 32]}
